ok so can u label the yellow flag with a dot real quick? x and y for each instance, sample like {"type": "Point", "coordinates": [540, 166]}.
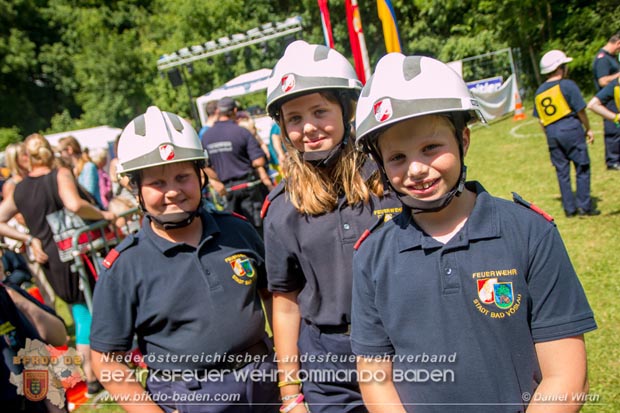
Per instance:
{"type": "Point", "coordinates": [390, 29]}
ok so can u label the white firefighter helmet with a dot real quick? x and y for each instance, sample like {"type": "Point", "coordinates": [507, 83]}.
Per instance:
{"type": "Point", "coordinates": [157, 138]}
{"type": "Point", "coordinates": [305, 68]}
{"type": "Point", "coordinates": [404, 87]}
{"type": "Point", "coordinates": [552, 60]}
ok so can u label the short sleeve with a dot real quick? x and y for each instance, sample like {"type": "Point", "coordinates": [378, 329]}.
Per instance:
{"type": "Point", "coordinates": [368, 335]}
{"type": "Point", "coordinates": [283, 271]}
{"type": "Point", "coordinates": [560, 308]}
{"type": "Point", "coordinates": [573, 96]}
{"type": "Point", "coordinates": [114, 308]}
{"type": "Point", "coordinates": [601, 68]}
{"type": "Point", "coordinates": [606, 93]}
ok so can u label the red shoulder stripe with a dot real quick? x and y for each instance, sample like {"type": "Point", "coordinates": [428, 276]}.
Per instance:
{"type": "Point", "coordinates": [265, 207]}
{"type": "Point", "coordinates": [239, 216]}
{"type": "Point", "coordinates": [365, 235]}
{"type": "Point", "coordinates": [110, 258]}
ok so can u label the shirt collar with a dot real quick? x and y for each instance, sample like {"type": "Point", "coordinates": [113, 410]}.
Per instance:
{"type": "Point", "coordinates": [209, 229]}
{"type": "Point", "coordinates": [483, 223]}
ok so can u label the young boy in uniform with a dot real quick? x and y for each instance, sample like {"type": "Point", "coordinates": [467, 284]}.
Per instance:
{"type": "Point", "coordinates": [464, 302]}
{"type": "Point", "coordinates": [561, 111]}
{"type": "Point", "coordinates": [186, 285]}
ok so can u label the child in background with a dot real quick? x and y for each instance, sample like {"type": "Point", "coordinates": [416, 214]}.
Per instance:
{"type": "Point", "coordinates": [561, 111]}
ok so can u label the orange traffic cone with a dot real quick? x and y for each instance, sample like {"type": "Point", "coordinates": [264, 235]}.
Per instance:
{"type": "Point", "coordinates": [519, 111]}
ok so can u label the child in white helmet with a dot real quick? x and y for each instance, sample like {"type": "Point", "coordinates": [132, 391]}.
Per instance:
{"type": "Point", "coordinates": [464, 302]}
{"type": "Point", "coordinates": [561, 111]}
{"type": "Point", "coordinates": [186, 285]}
{"type": "Point", "coordinates": [331, 193]}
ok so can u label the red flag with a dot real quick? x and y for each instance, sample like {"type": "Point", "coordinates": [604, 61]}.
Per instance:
{"type": "Point", "coordinates": [358, 43]}
{"type": "Point", "coordinates": [327, 26]}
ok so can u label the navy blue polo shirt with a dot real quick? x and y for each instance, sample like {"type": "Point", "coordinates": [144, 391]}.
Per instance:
{"type": "Point", "coordinates": [606, 96]}
{"type": "Point", "coordinates": [180, 300]}
{"type": "Point", "coordinates": [231, 150]}
{"type": "Point", "coordinates": [604, 64]}
{"type": "Point", "coordinates": [469, 311]}
{"type": "Point", "coordinates": [314, 253]}
{"type": "Point", "coordinates": [572, 97]}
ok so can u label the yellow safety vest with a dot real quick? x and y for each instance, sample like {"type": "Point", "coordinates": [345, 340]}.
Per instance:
{"type": "Point", "coordinates": [551, 105]}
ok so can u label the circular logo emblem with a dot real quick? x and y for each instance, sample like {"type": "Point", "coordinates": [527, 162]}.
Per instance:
{"type": "Point", "coordinates": [287, 82]}
{"type": "Point", "coordinates": [166, 152]}
{"type": "Point", "coordinates": [383, 110]}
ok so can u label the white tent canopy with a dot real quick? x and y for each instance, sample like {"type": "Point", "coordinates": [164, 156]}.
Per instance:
{"type": "Point", "coordinates": [243, 84]}
{"type": "Point", "coordinates": [100, 137]}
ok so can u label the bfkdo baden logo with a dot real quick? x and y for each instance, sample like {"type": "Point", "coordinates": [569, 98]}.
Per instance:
{"type": "Point", "coordinates": [41, 371]}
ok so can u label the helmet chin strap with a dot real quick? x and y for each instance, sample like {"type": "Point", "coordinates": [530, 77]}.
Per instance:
{"type": "Point", "coordinates": [176, 220]}
{"type": "Point", "coordinates": [328, 158]}
{"type": "Point", "coordinates": [418, 206]}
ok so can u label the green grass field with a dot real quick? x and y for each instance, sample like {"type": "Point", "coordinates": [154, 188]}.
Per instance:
{"type": "Point", "coordinates": [512, 156]}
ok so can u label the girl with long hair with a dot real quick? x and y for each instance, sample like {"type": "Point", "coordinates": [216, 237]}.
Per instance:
{"type": "Point", "coordinates": [330, 195]}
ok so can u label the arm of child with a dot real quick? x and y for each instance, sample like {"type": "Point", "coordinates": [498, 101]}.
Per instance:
{"type": "Point", "coordinates": [564, 376]}
{"type": "Point", "coordinates": [286, 325]}
{"type": "Point", "coordinates": [121, 382]}
{"type": "Point", "coordinates": [379, 396]}
{"type": "Point", "coordinates": [596, 106]}
{"type": "Point", "coordinates": [51, 328]}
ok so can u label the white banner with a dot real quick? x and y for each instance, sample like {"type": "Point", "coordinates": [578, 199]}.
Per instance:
{"type": "Point", "coordinates": [496, 103]}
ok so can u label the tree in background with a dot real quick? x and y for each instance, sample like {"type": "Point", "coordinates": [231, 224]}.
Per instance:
{"type": "Point", "coordinates": [67, 64]}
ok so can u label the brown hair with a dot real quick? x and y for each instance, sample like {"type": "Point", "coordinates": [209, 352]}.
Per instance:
{"type": "Point", "coordinates": [39, 151]}
{"type": "Point", "coordinates": [83, 158]}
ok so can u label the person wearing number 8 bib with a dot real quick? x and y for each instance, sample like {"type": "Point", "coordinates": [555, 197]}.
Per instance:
{"type": "Point", "coordinates": [560, 108]}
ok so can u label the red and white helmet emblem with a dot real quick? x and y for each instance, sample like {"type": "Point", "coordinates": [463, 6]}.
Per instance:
{"type": "Point", "coordinates": [166, 152]}
{"type": "Point", "coordinates": [383, 110]}
{"type": "Point", "coordinates": [287, 82]}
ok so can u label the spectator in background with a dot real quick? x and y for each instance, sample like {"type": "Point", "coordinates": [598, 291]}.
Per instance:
{"type": "Point", "coordinates": [16, 160]}
{"type": "Point", "coordinates": [120, 184]}
{"type": "Point", "coordinates": [248, 123]}
{"type": "Point", "coordinates": [238, 162]}
{"type": "Point", "coordinates": [83, 167]}
{"type": "Point", "coordinates": [560, 109]}
{"type": "Point", "coordinates": [211, 110]}
{"type": "Point", "coordinates": [606, 69]}
{"type": "Point", "coordinates": [277, 150]}
{"type": "Point", "coordinates": [18, 164]}
{"type": "Point", "coordinates": [100, 159]}
{"type": "Point", "coordinates": [44, 191]}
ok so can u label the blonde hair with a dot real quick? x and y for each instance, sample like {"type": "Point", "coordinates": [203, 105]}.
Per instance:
{"type": "Point", "coordinates": [39, 151]}
{"type": "Point", "coordinates": [12, 153]}
{"type": "Point", "coordinates": [315, 191]}
{"type": "Point", "coordinates": [83, 158]}
{"type": "Point", "coordinates": [99, 157]}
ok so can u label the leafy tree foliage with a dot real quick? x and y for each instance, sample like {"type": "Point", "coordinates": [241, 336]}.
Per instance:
{"type": "Point", "coordinates": [68, 64]}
